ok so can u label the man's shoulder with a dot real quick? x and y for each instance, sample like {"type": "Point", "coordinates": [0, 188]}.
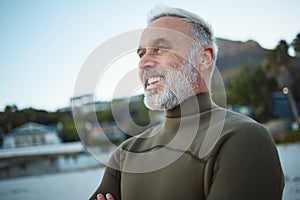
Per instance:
{"type": "Point", "coordinates": [243, 127]}
{"type": "Point", "coordinates": [238, 121]}
{"type": "Point", "coordinates": [240, 131]}
{"type": "Point", "coordinates": [231, 122]}
{"type": "Point", "coordinates": [237, 117]}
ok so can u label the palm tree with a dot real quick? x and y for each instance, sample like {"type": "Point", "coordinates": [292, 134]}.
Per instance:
{"type": "Point", "coordinates": [278, 65]}
{"type": "Point", "coordinates": [9, 110]}
{"type": "Point", "coordinates": [296, 45]}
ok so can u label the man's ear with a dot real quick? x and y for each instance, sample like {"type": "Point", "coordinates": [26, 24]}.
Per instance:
{"type": "Point", "coordinates": [205, 57]}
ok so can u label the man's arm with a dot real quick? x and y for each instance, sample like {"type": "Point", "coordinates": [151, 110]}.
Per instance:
{"type": "Point", "coordinates": [247, 167]}
{"type": "Point", "coordinates": [110, 184]}
{"type": "Point", "coordinates": [111, 181]}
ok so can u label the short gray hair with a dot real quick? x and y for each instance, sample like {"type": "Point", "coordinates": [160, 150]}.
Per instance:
{"type": "Point", "coordinates": [202, 30]}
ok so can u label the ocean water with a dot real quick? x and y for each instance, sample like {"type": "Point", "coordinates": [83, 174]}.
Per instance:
{"type": "Point", "coordinates": [290, 161]}
{"type": "Point", "coordinates": [69, 185]}
{"type": "Point", "coordinates": [80, 185]}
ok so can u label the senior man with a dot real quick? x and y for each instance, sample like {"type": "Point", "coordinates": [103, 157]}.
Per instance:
{"type": "Point", "coordinates": [200, 151]}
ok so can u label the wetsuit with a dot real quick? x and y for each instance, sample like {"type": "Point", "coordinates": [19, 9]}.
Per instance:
{"type": "Point", "coordinates": [201, 151]}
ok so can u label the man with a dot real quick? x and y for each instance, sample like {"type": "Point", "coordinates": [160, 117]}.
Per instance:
{"type": "Point", "coordinates": [200, 151]}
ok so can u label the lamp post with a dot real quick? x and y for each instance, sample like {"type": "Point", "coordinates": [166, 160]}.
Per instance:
{"type": "Point", "coordinates": [286, 91]}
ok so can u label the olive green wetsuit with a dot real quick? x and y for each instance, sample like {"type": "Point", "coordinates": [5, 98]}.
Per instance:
{"type": "Point", "coordinates": [201, 151]}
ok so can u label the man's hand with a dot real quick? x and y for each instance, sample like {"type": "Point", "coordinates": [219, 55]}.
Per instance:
{"type": "Point", "coordinates": [107, 196]}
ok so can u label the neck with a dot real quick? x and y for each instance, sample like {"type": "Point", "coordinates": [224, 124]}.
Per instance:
{"type": "Point", "coordinates": [191, 106]}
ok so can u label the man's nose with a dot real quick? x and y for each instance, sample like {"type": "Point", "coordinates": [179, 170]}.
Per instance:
{"type": "Point", "coordinates": [147, 61]}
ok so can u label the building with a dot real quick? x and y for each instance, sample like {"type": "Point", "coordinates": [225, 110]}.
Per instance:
{"type": "Point", "coordinates": [282, 106]}
{"type": "Point", "coordinates": [30, 134]}
{"type": "Point", "coordinates": [86, 104]}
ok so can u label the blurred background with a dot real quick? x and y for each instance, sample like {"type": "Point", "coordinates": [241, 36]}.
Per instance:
{"type": "Point", "coordinates": [44, 45]}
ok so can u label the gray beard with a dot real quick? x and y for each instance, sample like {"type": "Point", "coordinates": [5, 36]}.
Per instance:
{"type": "Point", "coordinates": [177, 88]}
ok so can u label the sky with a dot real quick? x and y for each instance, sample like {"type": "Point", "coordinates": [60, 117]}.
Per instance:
{"type": "Point", "coordinates": [45, 43]}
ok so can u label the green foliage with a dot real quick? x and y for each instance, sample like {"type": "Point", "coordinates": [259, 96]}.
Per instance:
{"type": "Point", "coordinates": [278, 60]}
{"type": "Point", "coordinates": [68, 128]}
{"type": "Point", "coordinates": [291, 137]}
{"type": "Point", "coordinates": [139, 113]}
{"type": "Point", "coordinates": [254, 89]}
{"type": "Point", "coordinates": [296, 44]}
{"type": "Point", "coordinates": [105, 115]}
{"type": "Point", "coordinates": [284, 68]}
{"type": "Point", "coordinates": [12, 118]}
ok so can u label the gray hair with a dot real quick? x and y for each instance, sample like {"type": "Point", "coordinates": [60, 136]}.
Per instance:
{"type": "Point", "coordinates": [202, 30]}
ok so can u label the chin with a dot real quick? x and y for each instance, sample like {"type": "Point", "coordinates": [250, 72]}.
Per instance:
{"type": "Point", "coordinates": [165, 101]}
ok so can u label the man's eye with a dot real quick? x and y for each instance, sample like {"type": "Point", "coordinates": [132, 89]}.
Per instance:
{"type": "Point", "coordinates": [141, 53]}
{"type": "Point", "coordinates": [159, 48]}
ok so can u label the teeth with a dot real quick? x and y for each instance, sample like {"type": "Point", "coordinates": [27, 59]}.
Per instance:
{"type": "Point", "coordinates": [154, 79]}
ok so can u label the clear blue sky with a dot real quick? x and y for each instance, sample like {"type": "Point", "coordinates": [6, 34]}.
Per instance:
{"type": "Point", "coordinates": [44, 43]}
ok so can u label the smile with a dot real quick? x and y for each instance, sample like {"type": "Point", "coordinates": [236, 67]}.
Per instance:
{"type": "Point", "coordinates": [152, 81]}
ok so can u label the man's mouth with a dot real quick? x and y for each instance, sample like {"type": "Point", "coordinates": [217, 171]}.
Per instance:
{"type": "Point", "coordinates": [151, 82]}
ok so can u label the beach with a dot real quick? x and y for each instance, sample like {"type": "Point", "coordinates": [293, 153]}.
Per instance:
{"type": "Point", "coordinates": [81, 184]}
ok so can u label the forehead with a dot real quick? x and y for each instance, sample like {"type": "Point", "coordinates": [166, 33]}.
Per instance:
{"type": "Point", "coordinates": [166, 29]}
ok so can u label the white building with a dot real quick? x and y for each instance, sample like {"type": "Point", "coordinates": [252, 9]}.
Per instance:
{"type": "Point", "coordinates": [30, 134]}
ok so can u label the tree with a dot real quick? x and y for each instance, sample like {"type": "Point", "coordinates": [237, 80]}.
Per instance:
{"type": "Point", "coordinates": [9, 116]}
{"type": "Point", "coordinates": [253, 88]}
{"type": "Point", "coordinates": [68, 128]}
{"type": "Point", "coordinates": [296, 45]}
{"type": "Point", "coordinates": [278, 63]}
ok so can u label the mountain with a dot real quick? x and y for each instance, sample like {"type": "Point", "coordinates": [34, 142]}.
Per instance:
{"type": "Point", "coordinates": [234, 55]}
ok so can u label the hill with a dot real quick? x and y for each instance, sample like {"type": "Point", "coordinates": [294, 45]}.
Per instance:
{"type": "Point", "coordinates": [234, 55]}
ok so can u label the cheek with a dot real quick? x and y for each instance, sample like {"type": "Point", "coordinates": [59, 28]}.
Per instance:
{"type": "Point", "coordinates": [174, 61]}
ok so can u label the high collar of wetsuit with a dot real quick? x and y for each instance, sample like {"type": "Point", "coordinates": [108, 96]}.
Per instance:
{"type": "Point", "coordinates": [191, 106]}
